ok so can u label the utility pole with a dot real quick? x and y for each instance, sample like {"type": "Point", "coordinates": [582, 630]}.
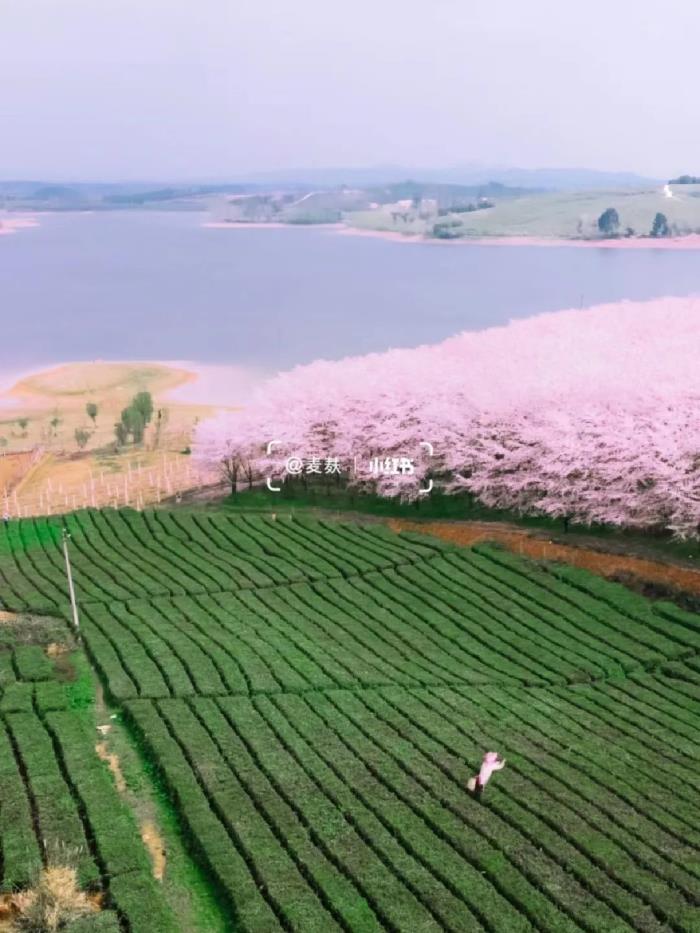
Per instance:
{"type": "Point", "coordinates": [71, 589]}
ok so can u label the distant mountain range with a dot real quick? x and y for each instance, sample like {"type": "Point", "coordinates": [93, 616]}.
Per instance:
{"type": "Point", "coordinates": [467, 174]}
{"type": "Point", "coordinates": [474, 175]}
{"type": "Point", "coordinates": [80, 194]}
{"type": "Point", "coordinates": [310, 201]}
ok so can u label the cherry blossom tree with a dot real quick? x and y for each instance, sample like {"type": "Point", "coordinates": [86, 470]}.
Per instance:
{"type": "Point", "coordinates": [589, 415]}
{"type": "Point", "coordinates": [221, 448]}
{"type": "Point", "coordinates": [629, 467]}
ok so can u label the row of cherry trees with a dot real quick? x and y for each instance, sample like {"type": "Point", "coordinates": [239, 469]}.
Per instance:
{"type": "Point", "coordinates": [592, 416]}
{"type": "Point", "coordinates": [633, 467]}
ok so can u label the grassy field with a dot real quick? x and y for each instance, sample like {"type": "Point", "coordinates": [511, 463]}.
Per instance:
{"type": "Point", "coordinates": [313, 696]}
{"type": "Point", "coordinates": [555, 214]}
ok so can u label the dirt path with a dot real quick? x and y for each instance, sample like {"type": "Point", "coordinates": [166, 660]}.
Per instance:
{"type": "Point", "coordinates": [113, 764]}
{"type": "Point", "coordinates": [156, 848]}
{"type": "Point", "coordinates": [141, 807]}
{"type": "Point", "coordinates": [520, 541]}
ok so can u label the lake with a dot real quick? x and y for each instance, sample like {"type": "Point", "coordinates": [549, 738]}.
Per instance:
{"type": "Point", "coordinates": [159, 285]}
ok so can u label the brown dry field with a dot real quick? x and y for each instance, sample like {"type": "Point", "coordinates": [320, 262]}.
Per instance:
{"type": "Point", "coordinates": [66, 477]}
{"type": "Point", "coordinates": [62, 393]}
{"type": "Point", "coordinates": [12, 466]}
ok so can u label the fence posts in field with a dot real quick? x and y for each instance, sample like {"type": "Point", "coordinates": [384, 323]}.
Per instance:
{"type": "Point", "coordinates": [137, 486]}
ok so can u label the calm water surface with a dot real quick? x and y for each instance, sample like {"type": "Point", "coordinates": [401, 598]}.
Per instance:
{"type": "Point", "coordinates": [144, 285]}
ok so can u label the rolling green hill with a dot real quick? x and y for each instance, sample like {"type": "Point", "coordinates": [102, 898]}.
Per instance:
{"type": "Point", "coordinates": [576, 214]}
{"type": "Point", "coordinates": [552, 214]}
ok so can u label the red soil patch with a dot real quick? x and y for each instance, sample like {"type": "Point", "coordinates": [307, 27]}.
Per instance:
{"type": "Point", "coordinates": [522, 542]}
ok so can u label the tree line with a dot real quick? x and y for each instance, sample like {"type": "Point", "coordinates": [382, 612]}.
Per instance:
{"type": "Point", "coordinates": [611, 436]}
{"type": "Point", "coordinates": [130, 428]}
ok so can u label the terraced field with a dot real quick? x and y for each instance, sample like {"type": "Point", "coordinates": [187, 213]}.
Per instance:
{"type": "Point", "coordinates": [316, 695]}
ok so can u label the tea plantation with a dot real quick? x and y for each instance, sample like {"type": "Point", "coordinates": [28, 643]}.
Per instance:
{"type": "Point", "coordinates": [314, 697]}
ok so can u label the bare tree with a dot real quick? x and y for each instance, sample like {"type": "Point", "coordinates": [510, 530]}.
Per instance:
{"type": "Point", "coordinates": [248, 468]}
{"type": "Point", "coordinates": [231, 466]}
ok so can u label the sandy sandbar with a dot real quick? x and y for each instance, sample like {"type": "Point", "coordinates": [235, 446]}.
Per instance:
{"type": "Point", "coordinates": [67, 383]}
{"type": "Point", "coordinates": [181, 382]}
{"type": "Point", "coordinates": [262, 225]}
{"type": "Point", "coordinates": [389, 235]}
{"type": "Point", "coordinates": [11, 224]}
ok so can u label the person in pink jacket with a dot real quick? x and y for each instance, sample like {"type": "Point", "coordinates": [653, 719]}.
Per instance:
{"type": "Point", "coordinates": [491, 762]}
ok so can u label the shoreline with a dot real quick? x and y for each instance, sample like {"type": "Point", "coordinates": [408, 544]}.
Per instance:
{"type": "Point", "coordinates": [210, 383]}
{"type": "Point", "coordinates": [16, 393]}
{"type": "Point", "coordinates": [689, 242]}
{"type": "Point", "coordinates": [217, 385]}
{"type": "Point", "coordinates": [389, 235]}
{"type": "Point", "coordinates": [10, 381]}
{"type": "Point", "coordinates": [11, 224]}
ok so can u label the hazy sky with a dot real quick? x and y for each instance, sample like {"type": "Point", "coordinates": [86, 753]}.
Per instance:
{"type": "Point", "coordinates": [145, 89]}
